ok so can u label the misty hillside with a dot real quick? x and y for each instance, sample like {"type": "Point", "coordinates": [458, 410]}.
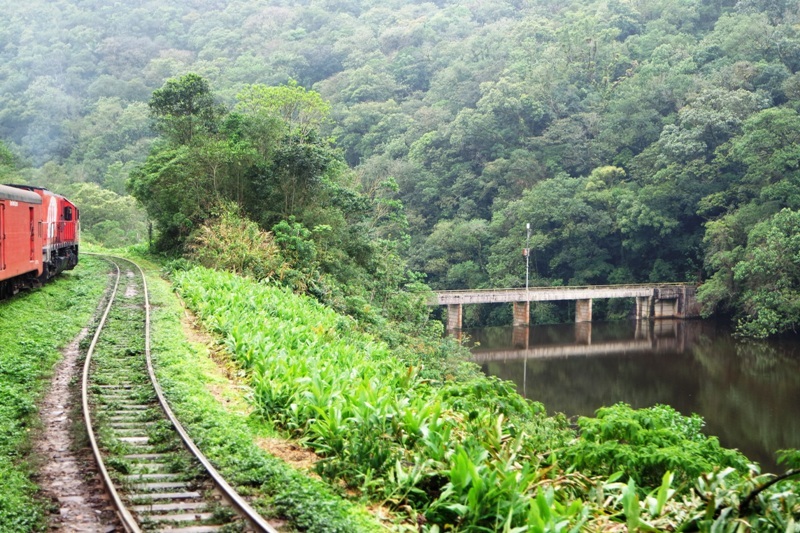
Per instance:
{"type": "Point", "coordinates": [643, 140]}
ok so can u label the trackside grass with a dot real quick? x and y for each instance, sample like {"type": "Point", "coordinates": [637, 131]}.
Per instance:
{"type": "Point", "coordinates": [34, 326]}
{"type": "Point", "coordinates": [228, 436]}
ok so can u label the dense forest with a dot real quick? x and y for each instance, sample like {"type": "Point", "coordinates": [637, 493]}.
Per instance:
{"type": "Point", "coordinates": [643, 140]}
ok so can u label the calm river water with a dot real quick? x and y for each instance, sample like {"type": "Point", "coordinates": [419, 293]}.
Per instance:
{"type": "Point", "coordinates": [748, 393]}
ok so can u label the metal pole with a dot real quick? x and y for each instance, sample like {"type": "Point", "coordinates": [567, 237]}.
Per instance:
{"type": "Point", "coordinates": [527, 257]}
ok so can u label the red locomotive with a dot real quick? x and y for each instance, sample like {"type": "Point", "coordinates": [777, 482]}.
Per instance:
{"type": "Point", "coordinates": [39, 236]}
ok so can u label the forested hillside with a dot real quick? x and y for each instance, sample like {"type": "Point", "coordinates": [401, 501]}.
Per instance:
{"type": "Point", "coordinates": [643, 140]}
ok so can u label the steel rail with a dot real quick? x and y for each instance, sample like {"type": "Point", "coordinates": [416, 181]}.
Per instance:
{"type": "Point", "coordinates": [228, 493]}
{"type": "Point", "coordinates": [125, 516]}
{"type": "Point", "coordinates": [233, 497]}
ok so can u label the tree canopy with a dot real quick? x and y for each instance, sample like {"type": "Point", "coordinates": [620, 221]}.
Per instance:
{"type": "Point", "coordinates": [477, 113]}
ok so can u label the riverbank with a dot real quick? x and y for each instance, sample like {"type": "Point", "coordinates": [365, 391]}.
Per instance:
{"type": "Point", "coordinates": [452, 453]}
{"type": "Point", "coordinates": [746, 391]}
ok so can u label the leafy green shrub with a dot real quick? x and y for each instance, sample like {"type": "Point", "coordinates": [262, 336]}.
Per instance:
{"type": "Point", "coordinates": [647, 443]}
{"type": "Point", "coordinates": [232, 242]}
{"type": "Point", "coordinates": [489, 394]}
{"type": "Point", "coordinates": [790, 458]}
{"type": "Point", "coordinates": [721, 500]}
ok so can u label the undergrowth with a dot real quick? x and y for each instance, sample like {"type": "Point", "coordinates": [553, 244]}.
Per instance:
{"type": "Point", "coordinates": [645, 444]}
{"type": "Point", "coordinates": [34, 327]}
{"type": "Point", "coordinates": [451, 453]}
{"type": "Point", "coordinates": [469, 454]}
{"type": "Point", "coordinates": [228, 436]}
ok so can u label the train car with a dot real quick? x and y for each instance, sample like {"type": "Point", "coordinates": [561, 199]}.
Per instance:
{"type": "Point", "coordinates": [60, 231]}
{"type": "Point", "coordinates": [39, 236]}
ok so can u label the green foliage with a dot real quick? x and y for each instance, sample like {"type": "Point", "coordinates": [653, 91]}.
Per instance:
{"type": "Point", "coordinates": [645, 444]}
{"type": "Point", "coordinates": [791, 458]}
{"type": "Point", "coordinates": [301, 110]}
{"type": "Point", "coordinates": [266, 158]}
{"type": "Point", "coordinates": [771, 507]}
{"type": "Point", "coordinates": [470, 455]}
{"type": "Point", "coordinates": [267, 161]}
{"type": "Point", "coordinates": [294, 179]}
{"type": "Point", "coordinates": [31, 340]}
{"type": "Point", "coordinates": [448, 449]}
{"type": "Point", "coordinates": [174, 194]}
{"type": "Point", "coordinates": [107, 218]}
{"type": "Point", "coordinates": [184, 108]}
{"type": "Point", "coordinates": [229, 436]}
{"type": "Point", "coordinates": [572, 235]}
{"type": "Point", "coordinates": [455, 254]}
{"type": "Point", "coordinates": [233, 243]}
{"type": "Point", "coordinates": [769, 274]}
{"type": "Point", "coordinates": [7, 163]}
{"type": "Point", "coordinates": [295, 243]}
{"type": "Point", "coordinates": [721, 500]}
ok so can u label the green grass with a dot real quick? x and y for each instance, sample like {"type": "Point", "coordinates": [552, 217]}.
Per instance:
{"type": "Point", "coordinates": [34, 327]}
{"type": "Point", "coordinates": [228, 436]}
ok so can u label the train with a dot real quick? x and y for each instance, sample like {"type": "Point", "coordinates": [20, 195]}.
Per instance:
{"type": "Point", "coordinates": [39, 237]}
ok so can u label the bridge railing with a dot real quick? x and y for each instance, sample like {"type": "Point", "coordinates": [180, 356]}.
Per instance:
{"type": "Point", "coordinates": [570, 287]}
{"type": "Point", "coordinates": [553, 293]}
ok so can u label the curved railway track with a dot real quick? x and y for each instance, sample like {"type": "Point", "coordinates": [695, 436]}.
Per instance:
{"type": "Point", "coordinates": [156, 477]}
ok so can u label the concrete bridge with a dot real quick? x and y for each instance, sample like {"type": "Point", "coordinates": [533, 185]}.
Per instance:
{"type": "Point", "coordinates": [664, 300]}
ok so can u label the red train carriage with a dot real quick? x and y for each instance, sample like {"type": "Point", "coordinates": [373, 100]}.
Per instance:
{"type": "Point", "coordinates": [39, 236]}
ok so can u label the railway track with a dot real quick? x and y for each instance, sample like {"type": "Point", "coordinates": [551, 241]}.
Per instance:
{"type": "Point", "coordinates": [156, 477]}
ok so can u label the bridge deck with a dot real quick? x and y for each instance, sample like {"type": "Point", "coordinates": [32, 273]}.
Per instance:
{"type": "Point", "coordinates": [541, 294]}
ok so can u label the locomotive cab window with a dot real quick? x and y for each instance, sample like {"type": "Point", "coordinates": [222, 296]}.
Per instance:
{"type": "Point", "coordinates": [67, 213]}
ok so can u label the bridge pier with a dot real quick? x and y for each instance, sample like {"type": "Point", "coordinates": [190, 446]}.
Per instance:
{"type": "Point", "coordinates": [453, 317]}
{"type": "Point", "coordinates": [583, 333]}
{"type": "Point", "coordinates": [522, 313]}
{"type": "Point", "coordinates": [583, 310]}
{"type": "Point", "coordinates": [643, 306]}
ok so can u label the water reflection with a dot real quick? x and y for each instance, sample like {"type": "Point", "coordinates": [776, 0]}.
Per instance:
{"type": "Point", "coordinates": [748, 393]}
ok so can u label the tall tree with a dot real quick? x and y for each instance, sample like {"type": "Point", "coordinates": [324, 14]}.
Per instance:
{"type": "Point", "coordinates": [183, 108]}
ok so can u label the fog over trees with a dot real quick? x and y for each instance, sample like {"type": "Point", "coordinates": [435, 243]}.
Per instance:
{"type": "Point", "coordinates": [643, 140]}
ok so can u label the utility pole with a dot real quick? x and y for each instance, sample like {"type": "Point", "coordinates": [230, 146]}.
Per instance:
{"type": "Point", "coordinates": [527, 257]}
{"type": "Point", "coordinates": [527, 275]}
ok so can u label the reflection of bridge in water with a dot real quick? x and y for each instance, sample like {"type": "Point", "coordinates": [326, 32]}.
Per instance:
{"type": "Point", "coordinates": [664, 335]}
